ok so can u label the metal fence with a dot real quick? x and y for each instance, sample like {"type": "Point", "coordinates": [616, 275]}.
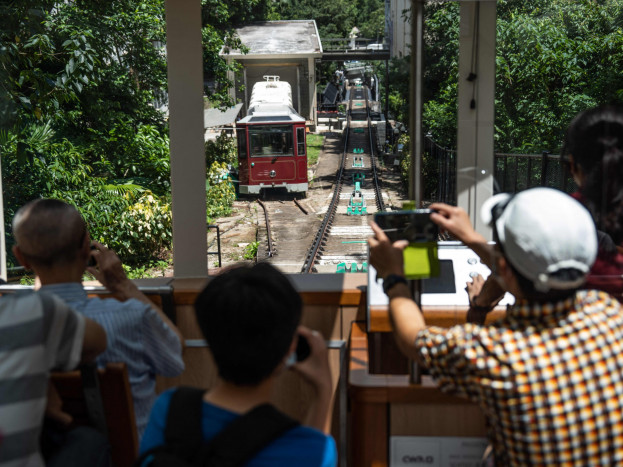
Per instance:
{"type": "Point", "coordinates": [512, 172]}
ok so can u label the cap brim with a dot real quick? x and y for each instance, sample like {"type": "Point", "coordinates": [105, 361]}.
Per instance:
{"type": "Point", "coordinates": [486, 214]}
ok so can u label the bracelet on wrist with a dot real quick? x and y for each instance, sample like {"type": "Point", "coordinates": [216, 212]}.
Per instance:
{"type": "Point", "coordinates": [481, 308]}
{"type": "Point", "coordinates": [391, 280]}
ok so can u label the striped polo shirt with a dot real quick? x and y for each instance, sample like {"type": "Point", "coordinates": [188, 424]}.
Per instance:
{"type": "Point", "coordinates": [136, 335]}
{"type": "Point", "coordinates": [38, 333]}
{"type": "Point", "coordinates": [548, 377]}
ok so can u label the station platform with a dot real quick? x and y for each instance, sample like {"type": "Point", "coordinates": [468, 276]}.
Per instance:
{"type": "Point", "coordinates": [379, 416]}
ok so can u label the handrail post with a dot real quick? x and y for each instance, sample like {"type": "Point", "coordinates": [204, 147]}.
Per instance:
{"type": "Point", "coordinates": [544, 164]}
{"type": "Point", "coordinates": [218, 242]}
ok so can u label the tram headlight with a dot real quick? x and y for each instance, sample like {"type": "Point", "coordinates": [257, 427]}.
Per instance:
{"type": "Point", "coordinates": [273, 174]}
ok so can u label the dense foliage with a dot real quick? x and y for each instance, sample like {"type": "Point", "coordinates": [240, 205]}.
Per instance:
{"type": "Point", "coordinates": [79, 82]}
{"type": "Point", "coordinates": [219, 21]}
{"type": "Point", "coordinates": [221, 156]}
{"type": "Point", "coordinates": [554, 59]}
{"type": "Point", "coordinates": [337, 18]}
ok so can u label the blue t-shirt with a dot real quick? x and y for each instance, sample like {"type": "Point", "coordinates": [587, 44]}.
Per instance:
{"type": "Point", "coordinates": [301, 446]}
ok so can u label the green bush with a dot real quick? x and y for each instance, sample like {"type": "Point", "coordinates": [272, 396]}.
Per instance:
{"type": "Point", "coordinates": [314, 146]}
{"type": "Point", "coordinates": [220, 192]}
{"type": "Point", "coordinates": [144, 228]}
{"type": "Point", "coordinates": [223, 149]}
{"type": "Point", "coordinates": [250, 251]}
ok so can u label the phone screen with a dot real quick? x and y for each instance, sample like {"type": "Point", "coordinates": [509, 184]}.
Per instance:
{"type": "Point", "coordinates": [420, 256]}
{"type": "Point", "coordinates": [414, 226]}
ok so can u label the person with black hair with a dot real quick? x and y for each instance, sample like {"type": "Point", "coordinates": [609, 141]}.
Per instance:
{"type": "Point", "coordinates": [250, 318]}
{"type": "Point", "coordinates": [593, 147]}
{"type": "Point", "coordinates": [52, 239]}
{"type": "Point", "coordinates": [547, 376]}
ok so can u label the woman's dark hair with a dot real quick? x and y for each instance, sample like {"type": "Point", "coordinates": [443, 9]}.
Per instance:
{"type": "Point", "coordinates": [595, 141]}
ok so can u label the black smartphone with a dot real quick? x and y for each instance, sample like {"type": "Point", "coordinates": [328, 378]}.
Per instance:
{"type": "Point", "coordinates": [92, 262]}
{"type": "Point", "coordinates": [415, 226]}
{"type": "Point", "coordinates": [302, 349]}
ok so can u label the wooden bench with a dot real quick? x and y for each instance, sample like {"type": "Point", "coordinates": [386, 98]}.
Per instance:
{"type": "Point", "coordinates": [102, 399]}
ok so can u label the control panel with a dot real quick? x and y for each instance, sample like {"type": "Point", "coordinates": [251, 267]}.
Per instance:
{"type": "Point", "coordinates": [457, 265]}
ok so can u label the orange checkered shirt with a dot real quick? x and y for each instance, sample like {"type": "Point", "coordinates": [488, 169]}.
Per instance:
{"type": "Point", "coordinates": [548, 377]}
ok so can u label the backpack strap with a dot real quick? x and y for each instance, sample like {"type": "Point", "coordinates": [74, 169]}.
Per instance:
{"type": "Point", "coordinates": [183, 435]}
{"type": "Point", "coordinates": [244, 437]}
{"type": "Point", "coordinates": [238, 442]}
{"type": "Point", "coordinates": [184, 418]}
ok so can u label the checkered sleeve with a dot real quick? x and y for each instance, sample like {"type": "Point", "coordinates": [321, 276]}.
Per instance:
{"type": "Point", "coordinates": [457, 358]}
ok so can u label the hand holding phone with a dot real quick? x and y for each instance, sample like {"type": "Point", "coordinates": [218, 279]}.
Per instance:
{"type": "Point", "coordinates": [414, 226]}
{"type": "Point", "coordinates": [419, 258]}
{"type": "Point", "coordinates": [311, 358]}
{"type": "Point", "coordinates": [92, 262]}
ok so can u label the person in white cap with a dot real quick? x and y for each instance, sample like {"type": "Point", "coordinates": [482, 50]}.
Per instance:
{"type": "Point", "coordinates": [548, 376]}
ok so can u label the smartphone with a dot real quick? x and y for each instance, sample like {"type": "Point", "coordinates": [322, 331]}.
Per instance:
{"type": "Point", "coordinates": [302, 349]}
{"type": "Point", "coordinates": [92, 262]}
{"type": "Point", "coordinates": [421, 260]}
{"type": "Point", "coordinates": [414, 226]}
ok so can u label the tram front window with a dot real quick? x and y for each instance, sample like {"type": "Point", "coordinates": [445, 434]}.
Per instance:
{"type": "Point", "coordinates": [271, 141]}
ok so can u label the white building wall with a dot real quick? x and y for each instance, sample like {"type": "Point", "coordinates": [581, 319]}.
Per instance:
{"type": "Point", "coordinates": [400, 29]}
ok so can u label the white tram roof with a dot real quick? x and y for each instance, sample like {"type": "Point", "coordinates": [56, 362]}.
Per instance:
{"type": "Point", "coordinates": [271, 91]}
{"type": "Point", "coordinates": [263, 113]}
{"type": "Point", "coordinates": [271, 101]}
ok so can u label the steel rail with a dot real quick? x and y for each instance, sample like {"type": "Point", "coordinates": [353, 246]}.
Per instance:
{"type": "Point", "coordinates": [327, 222]}
{"type": "Point", "coordinates": [268, 235]}
{"type": "Point", "coordinates": [300, 206]}
{"type": "Point", "coordinates": [320, 238]}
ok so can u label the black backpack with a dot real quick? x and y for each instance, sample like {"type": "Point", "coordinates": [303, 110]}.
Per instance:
{"type": "Point", "coordinates": [233, 446]}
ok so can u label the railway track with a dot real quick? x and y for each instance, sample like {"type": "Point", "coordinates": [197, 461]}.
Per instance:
{"type": "Point", "coordinates": [340, 245]}
{"type": "Point", "coordinates": [287, 227]}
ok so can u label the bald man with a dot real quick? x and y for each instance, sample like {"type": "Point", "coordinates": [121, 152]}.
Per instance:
{"type": "Point", "coordinates": [52, 239]}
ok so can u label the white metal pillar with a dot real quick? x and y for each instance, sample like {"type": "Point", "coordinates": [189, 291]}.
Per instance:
{"type": "Point", "coordinates": [476, 107]}
{"type": "Point", "coordinates": [311, 71]}
{"type": "Point", "coordinates": [188, 167]}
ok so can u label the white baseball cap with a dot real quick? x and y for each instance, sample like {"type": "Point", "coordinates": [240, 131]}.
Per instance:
{"type": "Point", "coordinates": [541, 232]}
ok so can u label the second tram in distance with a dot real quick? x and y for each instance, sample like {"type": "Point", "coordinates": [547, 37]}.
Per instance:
{"type": "Point", "coordinates": [272, 149]}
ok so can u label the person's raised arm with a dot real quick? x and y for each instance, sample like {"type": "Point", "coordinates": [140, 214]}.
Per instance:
{"type": "Point", "coordinates": [406, 317]}
{"type": "Point", "coordinates": [315, 369]}
{"type": "Point", "coordinates": [109, 272]}
{"type": "Point", "coordinates": [456, 221]}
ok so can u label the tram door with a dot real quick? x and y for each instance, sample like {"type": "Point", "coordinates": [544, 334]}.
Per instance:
{"type": "Point", "coordinates": [301, 152]}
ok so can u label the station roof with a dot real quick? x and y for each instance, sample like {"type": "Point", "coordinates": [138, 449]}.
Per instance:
{"type": "Point", "coordinates": [278, 38]}
{"type": "Point", "coordinates": [216, 118]}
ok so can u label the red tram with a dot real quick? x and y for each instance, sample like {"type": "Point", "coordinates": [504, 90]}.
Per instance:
{"type": "Point", "coordinates": [272, 150]}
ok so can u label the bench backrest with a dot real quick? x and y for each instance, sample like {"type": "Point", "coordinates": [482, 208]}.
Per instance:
{"type": "Point", "coordinates": [102, 399]}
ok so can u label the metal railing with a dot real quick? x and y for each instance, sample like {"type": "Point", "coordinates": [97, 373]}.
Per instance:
{"type": "Point", "coordinates": [218, 243]}
{"type": "Point", "coordinates": [512, 172]}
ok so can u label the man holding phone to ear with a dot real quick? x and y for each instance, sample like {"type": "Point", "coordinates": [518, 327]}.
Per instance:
{"type": "Point", "coordinates": [52, 239]}
{"type": "Point", "coordinates": [548, 376]}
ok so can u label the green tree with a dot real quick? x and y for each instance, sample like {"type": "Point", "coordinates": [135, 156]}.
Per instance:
{"type": "Point", "coordinates": [79, 80]}
{"type": "Point", "coordinates": [219, 21]}
{"type": "Point", "coordinates": [554, 59]}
